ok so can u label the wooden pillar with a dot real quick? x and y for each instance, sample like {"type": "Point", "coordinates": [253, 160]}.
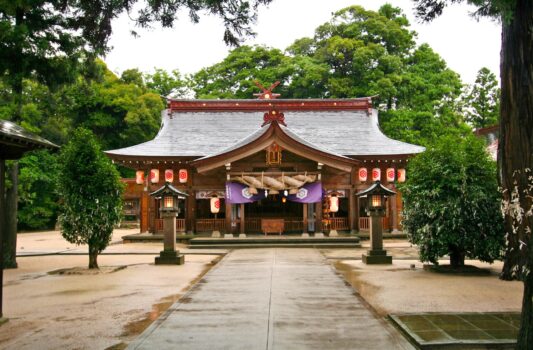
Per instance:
{"type": "Point", "coordinates": [145, 199]}
{"type": "Point", "coordinates": [351, 209]}
{"type": "Point", "coordinates": [394, 211]}
{"type": "Point", "coordinates": [190, 212]}
{"type": "Point", "coordinates": [242, 219]}
{"type": "Point", "coordinates": [304, 217]}
{"type": "Point", "coordinates": [228, 217]}
{"type": "Point", "coordinates": [2, 230]}
{"type": "Point", "coordinates": [318, 214]}
{"type": "Point", "coordinates": [357, 204]}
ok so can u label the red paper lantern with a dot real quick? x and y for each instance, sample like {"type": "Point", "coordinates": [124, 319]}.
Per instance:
{"type": "Point", "coordinates": [154, 176]}
{"type": "Point", "coordinates": [376, 174]}
{"type": "Point", "coordinates": [139, 177]}
{"type": "Point", "coordinates": [169, 175]}
{"type": "Point", "coordinates": [391, 174]}
{"type": "Point", "coordinates": [363, 174]}
{"type": "Point", "coordinates": [333, 204]}
{"type": "Point", "coordinates": [401, 175]}
{"type": "Point", "coordinates": [215, 205]}
{"type": "Point", "coordinates": [183, 175]}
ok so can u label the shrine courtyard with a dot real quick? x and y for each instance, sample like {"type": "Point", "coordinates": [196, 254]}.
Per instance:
{"type": "Point", "coordinates": [273, 298]}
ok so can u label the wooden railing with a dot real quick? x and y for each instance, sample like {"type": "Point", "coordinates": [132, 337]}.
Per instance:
{"type": "Point", "coordinates": [337, 224]}
{"type": "Point", "coordinates": [364, 223]}
{"type": "Point", "coordinates": [180, 225]}
{"type": "Point", "coordinates": [208, 225]}
{"type": "Point", "coordinates": [252, 225]}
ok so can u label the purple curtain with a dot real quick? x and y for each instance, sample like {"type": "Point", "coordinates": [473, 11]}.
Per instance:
{"type": "Point", "coordinates": [237, 193]}
{"type": "Point", "coordinates": [308, 193]}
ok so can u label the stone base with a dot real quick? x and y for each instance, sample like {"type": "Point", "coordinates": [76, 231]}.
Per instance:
{"type": "Point", "coordinates": [305, 235]}
{"type": "Point", "coordinates": [375, 257]}
{"type": "Point", "coordinates": [215, 234]}
{"type": "Point", "coordinates": [333, 233]}
{"type": "Point", "coordinates": [319, 235]}
{"type": "Point", "coordinates": [168, 257]}
{"type": "Point", "coordinates": [242, 235]}
{"type": "Point", "coordinates": [228, 235]}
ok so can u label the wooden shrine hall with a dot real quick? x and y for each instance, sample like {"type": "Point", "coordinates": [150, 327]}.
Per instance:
{"type": "Point", "coordinates": [266, 165]}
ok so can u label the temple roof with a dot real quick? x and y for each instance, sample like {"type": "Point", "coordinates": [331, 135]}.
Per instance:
{"type": "Point", "coordinates": [199, 134]}
{"type": "Point", "coordinates": [15, 141]}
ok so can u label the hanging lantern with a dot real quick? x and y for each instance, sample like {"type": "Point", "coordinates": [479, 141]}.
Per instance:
{"type": "Point", "coordinates": [183, 175]}
{"type": "Point", "coordinates": [169, 175]}
{"type": "Point", "coordinates": [333, 204]}
{"type": "Point", "coordinates": [376, 174]}
{"type": "Point", "coordinates": [139, 177]}
{"type": "Point", "coordinates": [363, 174]}
{"type": "Point", "coordinates": [154, 176]}
{"type": "Point", "coordinates": [401, 175]}
{"type": "Point", "coordinates": [390, 174]}
{"type": "Point", "coordinates": [215, 205]}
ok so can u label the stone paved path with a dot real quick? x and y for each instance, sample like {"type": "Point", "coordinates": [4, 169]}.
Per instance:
{"type": "Point", "coordinates": [270, 299]}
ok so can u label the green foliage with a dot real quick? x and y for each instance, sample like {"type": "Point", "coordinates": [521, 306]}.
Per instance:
{"type": "Point", "coordinates": [37, 196]}
{"type": "Point", "coordinates": [119, 113]}
{"type": "Point", "coordinates": [234, 77]}
{"type": "Point", "coordinates": [482, 100]}
{"type": "Point", "coordinates": [452, 202]}
{"type": "Point", "coordinates": [165, 84]}
{"type": "Point", "coordinates": [91, 193]}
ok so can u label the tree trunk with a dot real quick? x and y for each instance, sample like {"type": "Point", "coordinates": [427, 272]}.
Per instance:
{"type": "Point", "coordinates": [10, 237]}
{"type": "Point", "coordinates": [93, 257]}
{"type": "Point", "coordinates": [525, 336]}
{"type": "Point", "coordinates": [457, 257]}
{"type": "Point", "coordinates": [515, 156]}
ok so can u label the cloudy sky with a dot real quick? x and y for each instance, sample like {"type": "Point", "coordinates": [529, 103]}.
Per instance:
{"type": "Point", "coordinates": [465, 43]}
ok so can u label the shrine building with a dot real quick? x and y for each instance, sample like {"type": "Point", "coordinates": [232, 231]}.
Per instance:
{"type": "Point", "coordinates": [242, 162]}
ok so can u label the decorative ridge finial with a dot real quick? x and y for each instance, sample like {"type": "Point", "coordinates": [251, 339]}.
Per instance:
{"type": "Point", "coordinates": [266, 94]}
{"type": "Point", "coordinates": [273, 116]}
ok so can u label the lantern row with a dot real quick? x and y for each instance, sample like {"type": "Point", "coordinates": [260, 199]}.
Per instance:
{"type": "Point", "coordinates": [183, 176]}
{"type": "Point", "coordinates": [376, 174]}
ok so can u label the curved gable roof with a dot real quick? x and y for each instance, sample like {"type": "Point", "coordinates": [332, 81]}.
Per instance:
{"type": "Point", "coordinates": [199, 134]}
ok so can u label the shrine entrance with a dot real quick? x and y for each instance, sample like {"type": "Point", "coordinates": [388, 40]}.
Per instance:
{"type": "Point", "coordinates": [274, 207]}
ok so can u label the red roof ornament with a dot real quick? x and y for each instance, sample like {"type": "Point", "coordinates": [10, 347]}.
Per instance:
{"type": "Point", "coordinates": [273, 116]}
{"type": "Point", "coordinates": [267, 94]}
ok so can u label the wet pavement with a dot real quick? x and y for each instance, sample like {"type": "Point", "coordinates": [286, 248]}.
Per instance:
{"type": "Point", "coordinates": [271, 299]}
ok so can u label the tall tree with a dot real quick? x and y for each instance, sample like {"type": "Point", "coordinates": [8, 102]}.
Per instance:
{"type": "Point", "coordinates": [515, 153]}
{"type": "Point", "coordinates": [90, 189]}
{"type": "Point", "coordinates": [46, 40]}
{"type": "Point", "coordinates": [482, 100]}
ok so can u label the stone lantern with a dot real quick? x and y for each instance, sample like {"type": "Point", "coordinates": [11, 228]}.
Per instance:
{"type": "Point", "coordinates": [376, 195]}
{"type": "Point", "coordinates": [169, 197]}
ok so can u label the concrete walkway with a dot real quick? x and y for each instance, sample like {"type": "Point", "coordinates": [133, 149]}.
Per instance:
{"type": "Point", "coordinates": [270, 299]}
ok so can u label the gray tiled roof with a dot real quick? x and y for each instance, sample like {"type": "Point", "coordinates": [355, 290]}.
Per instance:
{"type": "Point", "coordinates": [199, 134]}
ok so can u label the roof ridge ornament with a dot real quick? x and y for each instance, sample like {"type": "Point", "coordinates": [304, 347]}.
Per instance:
{"type": "Point", "coordinates": [273, 116]}
{"type": "Point", "coordinates": [266, 94]}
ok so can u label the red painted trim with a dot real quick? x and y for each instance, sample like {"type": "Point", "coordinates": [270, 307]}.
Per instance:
{"type": "Point", "coordinates": [363, 104]}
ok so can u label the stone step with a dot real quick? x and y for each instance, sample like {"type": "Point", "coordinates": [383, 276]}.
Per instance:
{"type": "Point", "coordinates": [223, 245]}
